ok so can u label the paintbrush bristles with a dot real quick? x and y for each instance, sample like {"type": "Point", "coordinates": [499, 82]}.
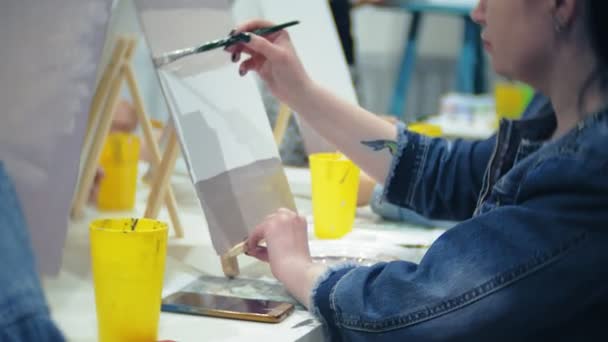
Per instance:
{"type": "Point", "coordinates": [172, 56]}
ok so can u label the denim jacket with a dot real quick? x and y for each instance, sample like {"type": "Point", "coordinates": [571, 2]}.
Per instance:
{"type": "Point", "coordinates": [526, 264]}
{"type": "Point", "coordinates": [24, 315]}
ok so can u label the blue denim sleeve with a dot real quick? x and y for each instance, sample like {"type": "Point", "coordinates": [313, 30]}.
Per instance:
{"type": "Point", "coordinates": [24, 315]}
{"type": "Point", "coordinates": [516, 273]}
{"type": "Point", "coordinates": [441, 179]}
{"type": "Point", "coordinates": [437, 178]}
{"type": "Point", "coordinates": [488, 279]}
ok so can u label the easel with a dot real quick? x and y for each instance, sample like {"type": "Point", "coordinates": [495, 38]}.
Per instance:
{"type": "Point", "coordinates": [104, 103]}
{"type": "Point", "coordinates": [281, 124]}
{"type": "Point", "coordinates": [100, 119]}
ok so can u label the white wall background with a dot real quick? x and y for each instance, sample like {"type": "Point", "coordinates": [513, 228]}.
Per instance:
{"type": "Point", "coordinates": [383, 31]}
{"type": "Point", "coordinates": [380, 36]}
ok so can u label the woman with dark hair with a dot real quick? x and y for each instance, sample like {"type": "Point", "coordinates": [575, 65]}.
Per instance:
{"type": "Point", "coordinates": [528, 261]}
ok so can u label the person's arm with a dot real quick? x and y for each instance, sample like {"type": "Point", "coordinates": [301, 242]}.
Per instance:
{"type": "Point", "coordinates": [370, 141]}
{"type": "Point", "coordinates": [442, 179]}
{"type": "Point", "coordinates": [24, 315]}
{"type": "Point", "coordinates": [489, 278]}
{"type": "Point", "coordinates": [446, 180]}
{"type": "Point", "coordinates": [344, 124]}
{"type": "Point", "coordinates": [438, 178]}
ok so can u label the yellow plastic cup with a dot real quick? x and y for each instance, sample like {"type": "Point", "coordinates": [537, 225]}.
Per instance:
{"type": "Point", "coordinates": [119, 159]}
{"type": "Point", "coordinates": [335, 182]}
{"type": "Point", "coordinates": [128, 259]}
{"type": "Point", "coordinates": [430, 130]}
{"type": "Point", "coordinates": [510, 100]}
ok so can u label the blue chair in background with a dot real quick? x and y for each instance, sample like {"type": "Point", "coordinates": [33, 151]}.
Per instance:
{"type": "Point", "coordinates": [470, 74]}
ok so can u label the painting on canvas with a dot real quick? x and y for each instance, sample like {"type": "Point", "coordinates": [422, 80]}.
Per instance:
{"type": "Point", "coordinates": [220, 119]}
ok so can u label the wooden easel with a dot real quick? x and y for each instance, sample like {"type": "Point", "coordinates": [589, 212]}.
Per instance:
{"type": "Point", "coordinates": [100, 118]}
{"type": "Point", "coordinates": [281, 124]}
{"type": "Point", "coordinates": [104, 103]}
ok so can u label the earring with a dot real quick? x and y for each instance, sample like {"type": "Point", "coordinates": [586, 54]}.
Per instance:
{"type": "Point", "coordinates": [558, 26]}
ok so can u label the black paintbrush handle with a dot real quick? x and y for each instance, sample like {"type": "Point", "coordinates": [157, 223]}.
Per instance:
{"type": "Point", "coordinates": [273, 29]}
{"type": "Point", "coordinates": [243, 37]}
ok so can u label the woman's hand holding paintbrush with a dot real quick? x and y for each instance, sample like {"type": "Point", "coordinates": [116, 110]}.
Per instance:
{"type": "Point", "coordinates": [232, 39]}
{"type": "Point", "coordinates": [273, 57]}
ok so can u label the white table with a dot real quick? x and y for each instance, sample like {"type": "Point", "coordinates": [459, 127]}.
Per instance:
{"type": "Point", "coordinates": [71, 295]}
{"type": "Point", "coordinates": [481, 127]}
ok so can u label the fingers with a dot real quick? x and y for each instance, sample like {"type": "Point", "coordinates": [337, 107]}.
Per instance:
{"type": "Point", "coordinates": [272, 224]}
{"type": "Point", "coordinates": [253, 249]}
{"type": "Point", "coordinates": [237, 49]}
{"type": "Point", "coordinates": [253, 25]}
{"type": "Point", "coordinates": [256, 45]}
{"type": "Point", "coordinates": [264, 47]}
{"type": "Point", "coordinates": [285, 211]}
{"type": "Point", "coordinates": [254, 239]}
{"type": "Point", "coordinates": [253, 63]}
{"type": "Point", "coordinates": [260, 253]}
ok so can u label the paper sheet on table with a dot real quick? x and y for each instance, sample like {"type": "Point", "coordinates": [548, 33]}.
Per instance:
{"type": "Point", "coordinates": [220, 119]}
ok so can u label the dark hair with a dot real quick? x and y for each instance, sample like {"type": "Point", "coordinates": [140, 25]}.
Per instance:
{"type": "Point", "coordinates": [597, 28]}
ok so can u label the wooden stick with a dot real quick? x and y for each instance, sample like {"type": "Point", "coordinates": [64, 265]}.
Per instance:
{"type": "Point", "coordinates": [241, 248]}
{"type": "Point", "coordinates": [162, 176]}
{"type": "Point", "coordinates": [280, 125]}
{"type": "Point", "coordinates": [149, 175]}
{"type": "Point", "coordinates": [103, 87]}
{"type": "Point", "coordinates": [146, 125]}
{"type": "Point", "coordinates": [237, 250]}
{"type": "Point", "coordinates": [103, 128]}
{"type": "Point", "coordinates": [230, 266]}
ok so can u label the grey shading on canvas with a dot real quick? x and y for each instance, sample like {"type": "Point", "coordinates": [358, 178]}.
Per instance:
{"type": "Point", "coordinates": [220, 119]}
{"type": "Point", "coordinates": [48, 65]}
{"type": "Point", "coordinates": [256, 189]}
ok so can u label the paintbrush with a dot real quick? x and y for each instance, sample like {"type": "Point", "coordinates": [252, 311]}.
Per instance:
{"type": "Point", "coordinates": [216, 44]}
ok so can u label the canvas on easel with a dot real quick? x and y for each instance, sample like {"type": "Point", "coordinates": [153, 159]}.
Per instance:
{"type": "Point", "coordinates": [48, 64]}
{"type": "Point", "coordinates": [220, 119]}
{"type": "Point", "coordinates": [118, 71]}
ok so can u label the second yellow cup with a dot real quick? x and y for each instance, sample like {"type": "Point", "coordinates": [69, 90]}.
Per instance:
{"type": "Point", "coordinates": [128, 259]}
{"type": "Point", "coordinates": [429, 130]}
{"type": "Point", "coordinates": [335, 181]}
{"type": "Point", "coordinates": [119, 160]}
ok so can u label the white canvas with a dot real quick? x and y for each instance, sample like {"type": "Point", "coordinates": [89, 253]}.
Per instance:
{"type": "Point", "coordinates": [219, 117]}
{"type": "Point", "coordinates": [48, 65]}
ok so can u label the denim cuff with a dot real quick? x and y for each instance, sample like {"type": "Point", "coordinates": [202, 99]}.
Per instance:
{"type": "Point", "coordinates": [21, 296]}
{"type": "Point", "coordinates": [406, 168]}
{"type": "Point", "coordinates": [321, 301]}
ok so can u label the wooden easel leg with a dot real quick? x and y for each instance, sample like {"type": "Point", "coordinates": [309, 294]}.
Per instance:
{"type": "Point", "coordinates": [162, 177]}
{"type": "Point", "coordinates": [103, 88]}
{"type": "Point", "coordinates": [230, 266]}
{"type": "Point", "coordinates": [98, 138]}
{"type": "Point", "coordinates": [280, 125]}
{"type": "Point", "coordinates": [146, 125]}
